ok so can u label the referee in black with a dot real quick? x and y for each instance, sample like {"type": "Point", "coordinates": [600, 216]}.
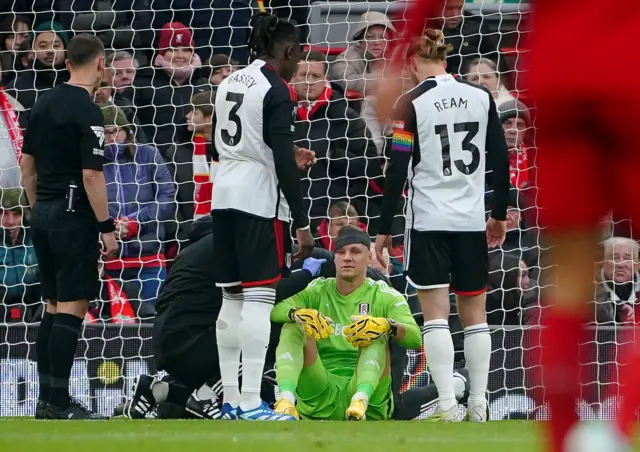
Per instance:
{"type": "Point", "coordinates": [62, 174]}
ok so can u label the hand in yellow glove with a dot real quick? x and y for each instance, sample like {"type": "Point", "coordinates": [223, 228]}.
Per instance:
{"type": "Point", "coordinates": [314, 323]}
{"type": "Point", "coordinates": [365, 329]}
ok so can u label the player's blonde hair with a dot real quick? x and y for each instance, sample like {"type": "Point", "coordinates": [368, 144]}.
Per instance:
{"type": "Point", "coordinates": [430, 46]}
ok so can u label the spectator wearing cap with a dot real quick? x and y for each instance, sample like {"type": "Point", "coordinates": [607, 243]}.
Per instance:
{"type": "Point", "coordinates": [218, 67]}
{"type": "Point", "coordinates": [48, 70]}
{"type": "Point", "coordinates": [141, 197]}
{"type": "Point", "coordinates": [468, 34]}
{"type": "Point", "coordinates": [163, 92]}
{"type": "Point", "coordinates": [14, 31]}
{"type": "Point", "coordinates": [360, 67]}
{"type": "Point", "coordinates": [516, 121]}
{"type": "Point", "coordinates": [19, 275]}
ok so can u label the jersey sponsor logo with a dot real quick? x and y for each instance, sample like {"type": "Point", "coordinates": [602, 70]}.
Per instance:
{"type": "Point", "coordinates": [98, 151]}
{"type": "Point", "coordinates": [398, 125]}
{"type": "Point", "coordinates": [287, 260]}
{"type": "Point", "coordinates": [363, 308]}
{"type": "Point", "coordinates": [402, 141]}
{"type": "Point", "coordinates": [99, 133]}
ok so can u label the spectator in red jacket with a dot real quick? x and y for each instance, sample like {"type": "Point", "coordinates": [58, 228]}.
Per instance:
{"type": "Point", "coordinates": [204, 164]}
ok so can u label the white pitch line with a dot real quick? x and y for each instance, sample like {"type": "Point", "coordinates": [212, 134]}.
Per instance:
{"type": "Point", "coordinates": [497, 438]}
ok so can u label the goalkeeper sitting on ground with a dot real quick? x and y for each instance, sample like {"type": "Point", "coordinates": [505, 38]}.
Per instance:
{"type": "Point", "coordinates": [333, 355]}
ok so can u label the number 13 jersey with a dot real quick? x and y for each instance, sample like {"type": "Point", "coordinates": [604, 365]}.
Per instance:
{"type": "Point", "coordinates": [443, 130]}
{"type": "Point", "coordinates": [249, 104]}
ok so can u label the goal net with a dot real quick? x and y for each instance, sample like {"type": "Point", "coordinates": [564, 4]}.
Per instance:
{"type": "Point", "coordinates": [152, 77]}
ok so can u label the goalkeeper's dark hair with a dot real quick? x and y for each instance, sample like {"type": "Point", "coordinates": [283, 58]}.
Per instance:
{"type": "Point", "coordinates": [267, 31]}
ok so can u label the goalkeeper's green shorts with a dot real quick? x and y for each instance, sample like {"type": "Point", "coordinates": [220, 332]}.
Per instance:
{"type": "Point", "coordinates": [326, 396]}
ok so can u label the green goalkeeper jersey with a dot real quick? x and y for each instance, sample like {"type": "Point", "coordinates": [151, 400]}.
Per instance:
{"type": "Point", "coordinates": [374, 298]}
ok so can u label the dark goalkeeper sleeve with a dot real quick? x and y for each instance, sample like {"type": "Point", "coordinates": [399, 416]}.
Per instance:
{"type": "Point", "coordinates": [498, 175]}
{"type": "Point", "coordinates": [279, 123]}
{"type": "Point", "coordinates": [296, 283]}
{"type": "Point", "coordinates": [404, 145]}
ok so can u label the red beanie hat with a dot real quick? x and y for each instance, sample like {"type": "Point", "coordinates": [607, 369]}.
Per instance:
{"type": "Point", "coordinates": [174, 34]}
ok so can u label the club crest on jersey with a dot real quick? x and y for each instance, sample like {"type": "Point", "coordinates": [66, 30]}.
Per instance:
{"type": "Point", "coordinates": [363, 308]}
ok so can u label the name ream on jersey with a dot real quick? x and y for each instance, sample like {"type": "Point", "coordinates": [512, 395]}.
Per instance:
{"type": "Point", "coordinates": [445, 104]}
{"type": "Point", "coordinates": [245, 79]}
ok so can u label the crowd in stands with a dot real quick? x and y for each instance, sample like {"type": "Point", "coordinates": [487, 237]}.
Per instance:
{"type": "Point", "coordinates": [157, 95]}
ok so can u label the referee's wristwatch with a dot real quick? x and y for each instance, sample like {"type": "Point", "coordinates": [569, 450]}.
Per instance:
{"type": "Point", "coordinates": [106, 226]}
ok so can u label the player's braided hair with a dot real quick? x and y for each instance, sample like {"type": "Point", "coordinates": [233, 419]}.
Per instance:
{"type": "Point", "coordinates": [268, 30]}
{"type": "Point", "coordinates": [430, 46]}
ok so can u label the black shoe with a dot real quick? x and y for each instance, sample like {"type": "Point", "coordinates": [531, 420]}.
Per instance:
{"type": "Point", "coordinates": [203, 409]}
{"type": "Point", "coordinates": [41, 409]}
{"type": "Point", "coordinates": [76, 411]}
{"type": "Point", "coordinates": [463, 374]}
{"type": "Point", "coordinates": [143, 400]}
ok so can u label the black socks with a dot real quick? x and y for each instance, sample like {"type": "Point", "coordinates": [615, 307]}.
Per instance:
{"type": "Point", "coordinates": [42, 355]}
{"type": "Point", "coordinates": [62, 351]}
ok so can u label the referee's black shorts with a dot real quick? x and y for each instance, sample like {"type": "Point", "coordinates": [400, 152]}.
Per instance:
{"type": "Point", "coordinates": [437, 259]}
{"type": "Point", "coordinates": [190, 355]}
{"type": "Point", "coordinates": [249, 250]}
{"type": "Point", "coordinates": [67, 248]}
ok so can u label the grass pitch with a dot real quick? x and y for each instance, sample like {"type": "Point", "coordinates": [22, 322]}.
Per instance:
{"type": "Point", "coordinates": [17, 435]}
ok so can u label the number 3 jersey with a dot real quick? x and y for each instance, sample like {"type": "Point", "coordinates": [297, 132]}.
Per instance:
{"type": "Point", "coordinates": [448, 135]}
{"type": "Point", "coordinates": [253, 136]}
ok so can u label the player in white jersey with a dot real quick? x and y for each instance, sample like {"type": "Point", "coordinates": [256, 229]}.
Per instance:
{"type": "Point", "coordinates": [447, 135]}
{"type": "Point", "coordinates": [257, 187]}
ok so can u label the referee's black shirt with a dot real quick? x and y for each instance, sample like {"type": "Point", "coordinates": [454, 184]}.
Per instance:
{"type": "Point", "coordinates": [65, 135]}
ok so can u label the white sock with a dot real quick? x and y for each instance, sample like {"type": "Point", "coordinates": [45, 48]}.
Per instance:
{"type": "Point", "coordinates": [229, 345]}
{"type": "Point", "coordinates": [438, 348]}
{"type": "Point", "coordinates": [287, 395]}
{"type": "Point", "coordinates": [458, 385]}
{"type": "Point", "coordinates": [255, 329]}
{"type": "Point", "coordinates": [477, 354]}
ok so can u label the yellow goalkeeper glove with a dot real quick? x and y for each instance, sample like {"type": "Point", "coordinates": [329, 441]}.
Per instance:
{"type": "Point", "coordinates": [365, 329]}
{"type": "Point", "coordinates": [313, 322]}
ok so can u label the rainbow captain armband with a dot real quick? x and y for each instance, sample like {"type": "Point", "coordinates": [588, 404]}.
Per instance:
{"type": "Point", "coordinates": [402, 140]}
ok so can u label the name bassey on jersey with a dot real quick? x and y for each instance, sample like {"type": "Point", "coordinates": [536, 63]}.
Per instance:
{"type": "Point", "coordinates": [445, 134]}
{"type": "Point", "coordinates": [246, 178]}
